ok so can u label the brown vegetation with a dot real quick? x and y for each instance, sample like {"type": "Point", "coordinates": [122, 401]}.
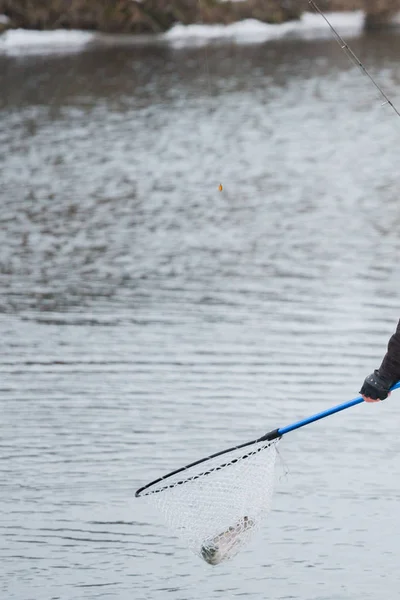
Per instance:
{"type": "Point", "coordinates": [155, 16]}
{"type": "Point", "coordinates": [379, 12]}
{"type": "Point", "coordinates": [132, 16]}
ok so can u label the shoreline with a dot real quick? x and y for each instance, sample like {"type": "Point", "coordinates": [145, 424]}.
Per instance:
{"type": "Point", "coordinates": [309, 26]}
{"type": "Point", "coordinates": [248, 31]}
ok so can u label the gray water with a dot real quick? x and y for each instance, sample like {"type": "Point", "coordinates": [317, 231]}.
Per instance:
{"type": "Point", "coordinates": [148, 319]}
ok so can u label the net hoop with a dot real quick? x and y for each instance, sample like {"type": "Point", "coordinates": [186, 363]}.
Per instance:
{"type": "Point", "coordinates": [150, 488]}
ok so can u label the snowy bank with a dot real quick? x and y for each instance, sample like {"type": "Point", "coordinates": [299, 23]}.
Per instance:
{"type": "Point", "coordinates": [23, 41]}
{"type": "Point", "coordinates": [309, 26]}
{"type": "Point", "coordinates": [249, 31]}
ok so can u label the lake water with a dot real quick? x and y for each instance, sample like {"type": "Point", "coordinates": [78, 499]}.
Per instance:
{"type": "Point", "coordinates": [148, 319]}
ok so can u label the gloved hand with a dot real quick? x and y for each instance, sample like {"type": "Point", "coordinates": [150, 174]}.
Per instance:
{"type": "Point", "coordinates": [376, 386]}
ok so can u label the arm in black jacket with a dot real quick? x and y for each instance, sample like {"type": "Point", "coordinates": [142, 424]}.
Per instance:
{"type": "Point", "coordinates": [377, 385]}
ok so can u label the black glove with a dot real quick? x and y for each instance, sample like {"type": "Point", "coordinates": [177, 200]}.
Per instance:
{"type": "Point", "coordinates": [376, 387]}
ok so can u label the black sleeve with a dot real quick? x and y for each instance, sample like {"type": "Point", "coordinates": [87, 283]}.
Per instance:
{"type": "Point", "coordinates": [390, 367]}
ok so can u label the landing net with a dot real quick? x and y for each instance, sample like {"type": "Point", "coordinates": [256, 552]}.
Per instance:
{"type": "Point", "coordinates": [216, 506]}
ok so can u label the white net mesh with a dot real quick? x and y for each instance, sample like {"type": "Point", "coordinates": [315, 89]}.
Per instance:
{"type": "Point", "coordinates": [217, 505]}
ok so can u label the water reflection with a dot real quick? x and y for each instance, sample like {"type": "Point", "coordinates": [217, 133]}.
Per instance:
{"type": "Point", "coordinates": [148, 318]}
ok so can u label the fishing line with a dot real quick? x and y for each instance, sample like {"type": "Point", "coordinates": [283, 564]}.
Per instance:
{"type": "Point", "coordinates": [207, 70]}
{"type": "Point", "coordinates": [346, 48]}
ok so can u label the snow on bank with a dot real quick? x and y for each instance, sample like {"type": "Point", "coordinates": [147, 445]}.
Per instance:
{"type": "Point", "coordinates": [24, 41]}
{"type": "Point", "coordinates": [252, 31]}
{"type": "Point", "coordinates": [310, 26]}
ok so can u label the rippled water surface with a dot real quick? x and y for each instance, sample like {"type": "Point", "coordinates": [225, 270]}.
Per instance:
{"type": "Point", "coordinates": [148, 319]}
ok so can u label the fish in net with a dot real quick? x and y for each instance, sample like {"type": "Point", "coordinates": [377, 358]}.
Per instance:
{"type": "Point", "coordinates": [215, 505]}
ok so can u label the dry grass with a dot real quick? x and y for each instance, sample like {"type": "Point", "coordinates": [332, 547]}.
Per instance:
{"type": "Point", "coordinates": [154, 16]}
